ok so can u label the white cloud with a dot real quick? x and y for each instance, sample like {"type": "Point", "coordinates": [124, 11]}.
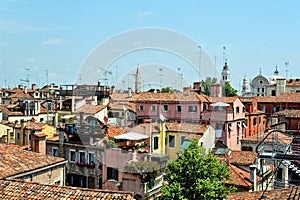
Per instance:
{"type": "Point", "coordinates": [31, 60]}
{"type": "Point", "coordinates": [14, 27]}
{"type": "Point", "coordinates": [55, 41]}
{"type": "Point", "coordinates": [141, 14]}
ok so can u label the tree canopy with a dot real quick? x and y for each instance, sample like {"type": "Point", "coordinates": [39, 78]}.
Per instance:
{"type": "Point", "coordinates": [229, 91]}
{"type": "Point", "coordinates": [206, 85]}
{"type": "Point", "coordinates": [195, 175]}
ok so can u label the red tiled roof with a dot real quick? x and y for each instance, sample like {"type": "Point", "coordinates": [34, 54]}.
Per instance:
{"type": "Point", "coordinates": [223, 99]}
{"type": "Point", "coordinates": [285, 193]}
{"type": "Point", "coordinates": [90, 109]}
{"type": "Point", "coordinates": [289, 113]}
{"type": "Point", "coordinates": [239, 176]}
{"type": "Point", "coordinates": [13, 189]}
{"type": "Point", "coordinates": [4, 109]}
{"type": "Point", "coordinates": [19, 93]}
{"type": "Point", "coordinates": [165, 97]}
{"type": "Point", "coordinates": [187, 127]}
{"type": "Point", "coordinates": [14, 160]}
{"type": "Point", "coordinates": [275, 136]}
{"type": "Point", "coordinates": [114, 131]}
{"type": "Point", "coordinates": [242, 157]}
{"type": "Point", "coordinates": [285, 97]}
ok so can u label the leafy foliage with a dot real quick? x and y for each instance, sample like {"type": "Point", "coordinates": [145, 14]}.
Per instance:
{"type": "Point", "coordinates": [145, 169]}
{"type": "Point", "coordinates": [229, 91]}
{"type": "Point", "coordinates": [195, 175]}
{"type": "Point", "coordinates": [206, 85]}
{"type": "Point", "coordinates": [167, 89]}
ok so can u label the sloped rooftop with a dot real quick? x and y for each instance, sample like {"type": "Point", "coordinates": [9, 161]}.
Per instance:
{"type": "Point", "coordinates": [12, 189]}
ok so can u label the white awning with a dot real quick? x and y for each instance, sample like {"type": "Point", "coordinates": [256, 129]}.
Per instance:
{"type": "Point", "coordinates": [68, 116]}
{"type": "Point", "coordinates": [220, 104]}
{"type": "Point", "coordinates": [131, 136]}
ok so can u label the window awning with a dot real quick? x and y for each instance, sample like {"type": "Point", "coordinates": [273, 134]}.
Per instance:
{"type": "Point", "coordinates": [68, 116]}
{"type": "Point", "coordinates": [131, 136]}
{"type": "Point", "coordinates": [220, 104]}
{"type": "Point", "coordinates": [185, 144]}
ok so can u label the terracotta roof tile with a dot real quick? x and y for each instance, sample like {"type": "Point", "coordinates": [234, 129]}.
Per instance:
{"type": "Point", "coordinates": [166, 97]}
{"type": "Point", "coordinates": [289, 113]}
{"type": "Point", "coordinates": [239, 176]}
{"type": "Point", "coordinates": [275, 136]}
{"type": "Point", "coordinates": [12, 189]}
{"type": "Point", "coordinates": [223, 99]}
{"type": "Point", "coordinates": [114, 131]}
{"type": "Point", "coordinates": [14, 160]}
{"type": "Point", "coordinates": [285, 193]}
{"type": "Point", "coordinates": [242, 157]}
{"type": "Point", "coordinates": [285, 97]}
{"type": "Point", "coordinates": [91, 109]}
{"type": "Point", "coordinates": [187, 127]}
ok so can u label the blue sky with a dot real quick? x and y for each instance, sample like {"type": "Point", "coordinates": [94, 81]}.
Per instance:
{"type": "Point", "coordinates": [58, 36]}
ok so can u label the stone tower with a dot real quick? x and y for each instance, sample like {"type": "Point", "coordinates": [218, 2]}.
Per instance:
{"type": "Point", "coordinates": [225, 74]}
{"type": "Point", "coordinates": [138, 80]}
{"type": "Point", "coordinates": [245, 85]}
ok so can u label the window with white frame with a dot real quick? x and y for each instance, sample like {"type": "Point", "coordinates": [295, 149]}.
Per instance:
{"type": "Point", "coordinates": [81, 156]}
{"type": "Point", "coordinates": [72, 155]}
{"type": "Point", "coordinates": [193, 109]}
{"type": "Point", "coordinates": [165, 108]}
{"type": "Point", "coordinates": [91, 157]}
{"type": "Point", "coordinates": [153, 108]}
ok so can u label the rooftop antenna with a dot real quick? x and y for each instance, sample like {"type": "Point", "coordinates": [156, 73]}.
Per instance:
{"type": "Point", "coordinates": [105, 75]}
{"type": "Point", "coordinates": [200, 52]}
{"type": "Point", "coordinates": [286, 69]}
{"type": "Point", "coordinates": [224, 60]}
{"type": "Point", "coordinates": [47, 77]}
{"type": "Point", "coordinates": [178, 85]}
{"type": "Point", "coordinates": [27, 77]}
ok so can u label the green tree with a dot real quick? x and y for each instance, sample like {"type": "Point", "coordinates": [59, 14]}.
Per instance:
{"type": "Point", "coordinates": [195, 175]}
{"type": "Point", "coordinates": [167, 89]}
{"type": "Point", "coordinates": [206, 85]}
{"type": "Point", "coordinates": [228, 90]}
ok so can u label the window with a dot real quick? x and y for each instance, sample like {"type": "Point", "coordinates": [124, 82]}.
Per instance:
{"type": "Point", "coordinates": [238, 125]}
{"type": "Point", "coordinates": [171, 141]}
{"type": "Point", "coordinates": [273, 93]}
{"type": "Point", "coordinates": [178, 108]}
{"type": "Point", "coordinates": [72, 156]}
{"type": "Point", "coordinates": [262, 89]}
{"type": "Point", "coordinates": [298, 125]}
{"type": "Point", "coordinates": [55, 151]}
{"type": "Point", "coordinates": [182, 140]}
{"type": "Point", "coordinates": [112, 173]}
{"type": "Point", "coordinates": [91, 157]}
{"type": "Point", "coordinates": [153, 108]}
{"type": "Point", "coordinates": [57, 182]}
{"type": "Point", "coordinates": [257, 89]}
{"type": "Point", "coordinates": [229, 127]}
{"type": "Point", "coordinates": [244, 109]}
{"type": "Point", "coordinates": [259, 120]}
{"type": "Point", "coordinates": [254, 121]}
{"type": "Point", "coordinates": [237, 109]}
{"type": "Point", "coordinates": [155, 143]}
{"type": "Point", "coordinates": [237, 139]}
{"type": "Point", "coordinates": [18, 136]}
{"type": "Point", "coordinates": [141, 107]}
{"type": "Point", "coordinates": [193, 109]}
{"type": "Point", "coordinates": [165, 108]}
{"type": "Point", "coordinates": [81, 157]}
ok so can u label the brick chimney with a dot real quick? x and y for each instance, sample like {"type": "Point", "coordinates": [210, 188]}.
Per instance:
{"type": "Point", "coordinates": [38, 142]}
